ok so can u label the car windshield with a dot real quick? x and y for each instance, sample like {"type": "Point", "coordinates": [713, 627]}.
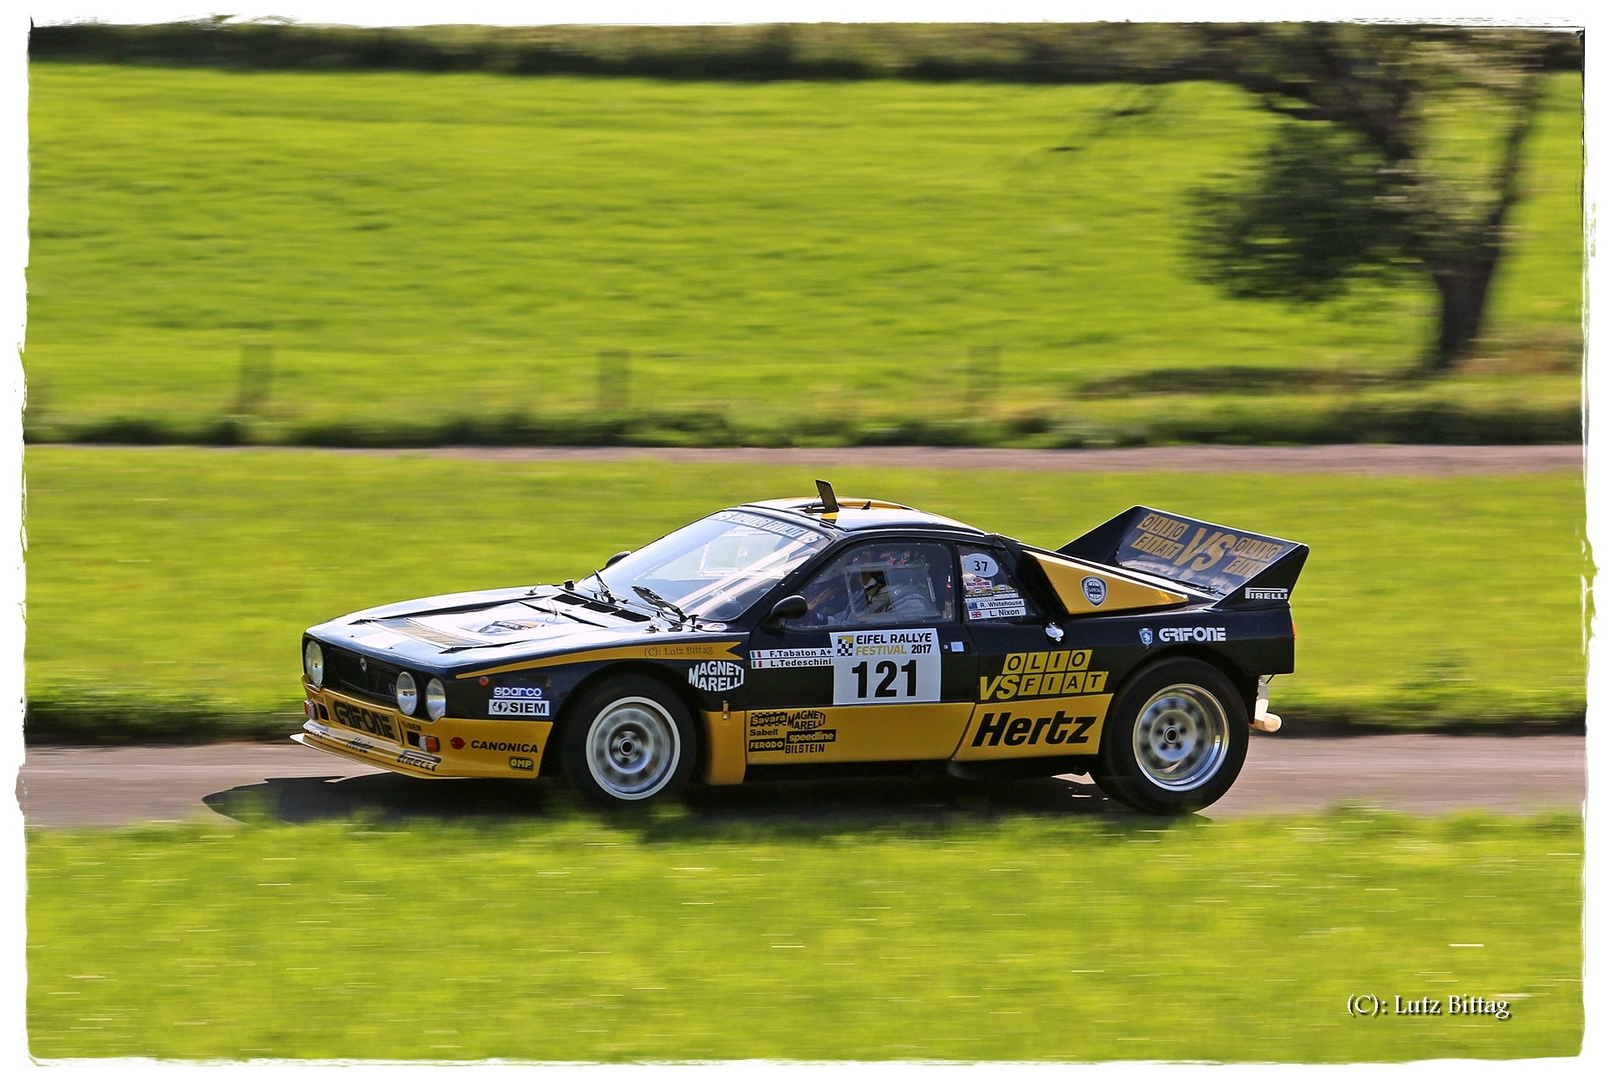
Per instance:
{"type": "Point", "coordinates": [717, 567]}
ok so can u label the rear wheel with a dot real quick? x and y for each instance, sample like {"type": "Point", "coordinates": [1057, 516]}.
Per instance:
{"type": "Point", "coordinates": [1175, 739]}
{"type": "Point", "coordinates": [629, 742]}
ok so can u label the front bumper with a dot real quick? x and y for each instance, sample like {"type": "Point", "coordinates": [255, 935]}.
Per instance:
{"type": "Point", "coordinates": [361, 731]}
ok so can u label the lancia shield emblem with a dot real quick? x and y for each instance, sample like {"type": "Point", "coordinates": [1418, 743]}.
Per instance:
{"type": "Point", "coordinates": [1146, 637]}
{"type": "Point", "coordinates": [1095, 590]}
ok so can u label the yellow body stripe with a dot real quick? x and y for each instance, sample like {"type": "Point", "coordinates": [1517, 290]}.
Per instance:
{"type": "Point", "coordinates": [725, 733]}
{"type": "Point", "coordinates": [1123, 593]}
{"type": "Point", "coordinates": [676, 650]}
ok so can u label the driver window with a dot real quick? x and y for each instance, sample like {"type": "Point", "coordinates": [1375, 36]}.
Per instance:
{"type": "Point", "coordinates": [891, 583]}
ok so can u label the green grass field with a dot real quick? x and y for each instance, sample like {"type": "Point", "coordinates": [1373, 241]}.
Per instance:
{"type": "Point", "coordinates": [443, 258]}
{"type": "Point", "coordinates": [963, 938]}
{"type": "Point", "coordinates": [168, 588]}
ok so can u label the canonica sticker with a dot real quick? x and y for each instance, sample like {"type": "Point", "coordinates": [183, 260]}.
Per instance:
{"type": "Point", "coordinates": [885, 667]}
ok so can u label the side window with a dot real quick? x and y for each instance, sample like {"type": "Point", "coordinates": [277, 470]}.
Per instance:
{"type": "Point", "coordinates": [990, 591]}
{"type": "Point", "coordinates": [890, 583]}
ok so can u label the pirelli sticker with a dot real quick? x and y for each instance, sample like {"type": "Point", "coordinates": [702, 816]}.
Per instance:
{"type": "Point", "coordinates": [1054, 673]}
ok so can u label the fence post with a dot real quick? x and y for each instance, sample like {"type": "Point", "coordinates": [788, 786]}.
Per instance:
{"type": "Point", "coordinates": [256, 375]}
{"type": "Point", "coordinates": [983, 372]}
{"type": "Point", "coordinates": [613, 373]}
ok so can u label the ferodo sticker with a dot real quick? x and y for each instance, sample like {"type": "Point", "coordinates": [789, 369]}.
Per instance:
{"type": "Point", "coordinates": [877, 667]}
{"type": "Point", "coordinates": [1053, 673]}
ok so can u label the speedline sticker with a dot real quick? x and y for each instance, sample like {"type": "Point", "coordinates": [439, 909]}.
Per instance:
{"type": "Point", "coordinates": [878, 667]}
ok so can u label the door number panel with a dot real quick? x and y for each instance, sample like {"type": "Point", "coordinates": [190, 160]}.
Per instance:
{"type": "Point", "coordinates": [885, 667]}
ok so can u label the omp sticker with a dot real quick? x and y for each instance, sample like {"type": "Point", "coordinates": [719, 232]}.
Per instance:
{"type": "Point", "coordinates": [997, 606]}
{"type": "Point", "coordinates": [873, 667]}
{"type": "Point", "coordinates": [526, 707]}
{"type": "Point", "coordinates": [716, 675]}
{"type": "Point", "coordinates": [523, 764]}
{"type": "Point", "coordinates": [790, 658]}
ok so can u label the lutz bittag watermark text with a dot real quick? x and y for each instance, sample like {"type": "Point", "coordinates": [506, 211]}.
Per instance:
{"type": "Point", "coordinates": [1473, 1005]}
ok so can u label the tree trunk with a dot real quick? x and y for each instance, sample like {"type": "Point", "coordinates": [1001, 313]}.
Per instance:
{"type": "Point", "coordinates": [1463, 289]}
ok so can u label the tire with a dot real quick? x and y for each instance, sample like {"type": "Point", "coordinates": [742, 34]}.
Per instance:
{"type": "Point", "coordinates": [1175, 738]}
{"type": "Point", "coordinates": [629, 742]}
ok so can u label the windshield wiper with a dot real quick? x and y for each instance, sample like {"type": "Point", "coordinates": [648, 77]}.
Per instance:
{"type": "Point", "coordinates": [608, 596]}
{"type": "Point", "coordinates": [660, 602]}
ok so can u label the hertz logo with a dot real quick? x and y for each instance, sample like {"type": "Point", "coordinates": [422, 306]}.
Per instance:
{"type": "Point", "coordinates": [1023, 731]}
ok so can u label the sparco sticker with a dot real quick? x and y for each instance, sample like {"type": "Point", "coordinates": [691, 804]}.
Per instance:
{"type": "Point", "coordinates": [716, 675]}
{"type": "Point", "coordinates": [872, 667]}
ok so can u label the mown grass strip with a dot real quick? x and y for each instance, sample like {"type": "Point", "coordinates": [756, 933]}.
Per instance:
{"type": "Point", "coordinates": [168, 588]}
{"type": "Point", "coordinates": [674, 938]}
{"type": "Point", "coordinates": [395, 258]}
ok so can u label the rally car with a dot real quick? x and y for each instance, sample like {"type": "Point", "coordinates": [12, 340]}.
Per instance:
{"type": "Point", "coordinates": [820, 636]}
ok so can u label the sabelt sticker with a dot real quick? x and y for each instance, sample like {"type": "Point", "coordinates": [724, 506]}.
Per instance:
{"type": "Point", "coordinates": [885, 667]}
{"type": "Point", "coordinates": [790, 658]}
{"type": "Point", "coordinates": [1095, 590]}
{"type": "Point", "coordinates": [716, 675]}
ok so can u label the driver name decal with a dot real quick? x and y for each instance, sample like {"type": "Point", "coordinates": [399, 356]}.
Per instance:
{"type": "Point", "coordinates": [884, 667]}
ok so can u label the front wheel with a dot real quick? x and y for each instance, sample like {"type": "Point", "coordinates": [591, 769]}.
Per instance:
{"type": "Point", "coordinates": [628, 742]}
{"type": "Point", "coordinates": [1175, 739]}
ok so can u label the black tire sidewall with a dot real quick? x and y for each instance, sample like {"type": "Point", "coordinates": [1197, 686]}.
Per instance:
{"type": "Point", "coordinates": [579, 720]}
{"type": "Point", "coordinates": [1122, 777]}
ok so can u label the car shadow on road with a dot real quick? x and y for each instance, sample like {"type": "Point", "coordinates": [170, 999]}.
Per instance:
{"type": "Point", "coordinates": [835, 804]}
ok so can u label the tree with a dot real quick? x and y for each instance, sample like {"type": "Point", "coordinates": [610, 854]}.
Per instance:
{"type": "Point", "coordinates": [1365, 176]}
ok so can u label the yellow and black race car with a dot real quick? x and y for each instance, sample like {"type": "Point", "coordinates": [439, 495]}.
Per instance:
{"type": "Point", "coordinates": [810, 637]}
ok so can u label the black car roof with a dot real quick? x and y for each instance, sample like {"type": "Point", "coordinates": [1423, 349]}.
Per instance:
{"type": "Point", "coordinates": [862, 515]}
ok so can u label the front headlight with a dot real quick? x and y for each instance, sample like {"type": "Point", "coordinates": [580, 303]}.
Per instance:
{"type": "Point", "coordinates": [313, 663]}
{"type": "Point", "coordinates": [407, 693]}
{"type": "Point", "coordinates": [435, 699]}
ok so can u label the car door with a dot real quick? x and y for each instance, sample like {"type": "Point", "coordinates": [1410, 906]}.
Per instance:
{"type": "Point", "coordinates": [876, 670]}
{"type": "Point", "coordinates": [1039, 694]}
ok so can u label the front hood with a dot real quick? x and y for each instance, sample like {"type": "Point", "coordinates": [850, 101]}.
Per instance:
{"type": "Point", "coordinates": [477, 627]}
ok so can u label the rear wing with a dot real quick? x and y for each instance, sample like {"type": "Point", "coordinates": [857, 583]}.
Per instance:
{"type": "Point", "coordinates": [1231, 564]}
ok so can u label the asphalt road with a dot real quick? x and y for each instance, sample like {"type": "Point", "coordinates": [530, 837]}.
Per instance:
{"type": "Point", "coordinates": [69, 787]}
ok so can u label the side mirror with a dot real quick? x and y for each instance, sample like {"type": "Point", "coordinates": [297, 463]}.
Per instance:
{"type": "Point", "coordinates": [615, 558]}
{"type": "Point", "coordinates": [789, 607]}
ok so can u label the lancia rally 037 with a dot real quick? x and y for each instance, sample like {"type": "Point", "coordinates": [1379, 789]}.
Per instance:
{"type": "Point", "coordinates": [807, 637]}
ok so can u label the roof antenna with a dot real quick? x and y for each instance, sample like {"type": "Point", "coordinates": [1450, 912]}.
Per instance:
{"type": "Point", "coordinates": [830, 504]}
